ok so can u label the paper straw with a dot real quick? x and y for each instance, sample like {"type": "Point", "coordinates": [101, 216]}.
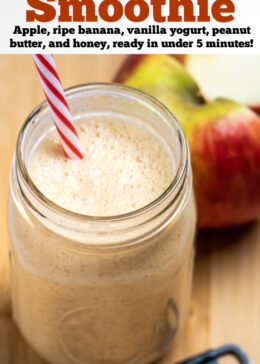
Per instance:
{"type": "Point", "coordinates": [59, 107]}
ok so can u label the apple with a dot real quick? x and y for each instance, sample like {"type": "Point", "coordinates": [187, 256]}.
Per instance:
{"type": "Point", "coordinates": [232, 76]}
{"type": "Point", "coordinates": [223, 137]}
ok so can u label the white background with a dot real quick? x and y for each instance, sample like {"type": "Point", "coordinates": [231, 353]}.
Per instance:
{"type": "Point", "coordinates": [13, 12]}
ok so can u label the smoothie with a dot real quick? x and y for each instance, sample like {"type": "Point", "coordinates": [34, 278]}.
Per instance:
{"type": "Point", "coordinates": [91, 288]}
{"type": "Point", "coordinates": [126, 166]}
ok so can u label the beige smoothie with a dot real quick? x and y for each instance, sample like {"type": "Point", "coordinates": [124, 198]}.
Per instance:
{"type": "Point", "coordinates": [125, 167]}
{"type": "Point", "coordinates": [92, 300]}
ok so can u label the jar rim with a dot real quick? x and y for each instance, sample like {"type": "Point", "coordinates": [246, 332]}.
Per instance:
{"type": "Point", "coordinates": [181, 172]}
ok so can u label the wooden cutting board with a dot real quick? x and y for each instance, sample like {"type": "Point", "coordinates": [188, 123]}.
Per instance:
{"type": "Point", "coordinates": [226, 292]}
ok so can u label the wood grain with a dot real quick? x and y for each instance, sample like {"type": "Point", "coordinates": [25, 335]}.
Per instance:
{"type": "Point", "coordinates": [226, 291]}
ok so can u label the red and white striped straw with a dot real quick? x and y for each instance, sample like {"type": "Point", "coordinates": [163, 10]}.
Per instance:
{"type": "Point", "coordinates": [59, 107]}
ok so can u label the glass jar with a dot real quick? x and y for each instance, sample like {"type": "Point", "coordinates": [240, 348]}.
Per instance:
{"type": "Point", "coordinates": [107, 290]}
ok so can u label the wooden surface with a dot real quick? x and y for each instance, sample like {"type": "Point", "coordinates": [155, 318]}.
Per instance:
{"type": "Point", "coordinates": [226, 291]}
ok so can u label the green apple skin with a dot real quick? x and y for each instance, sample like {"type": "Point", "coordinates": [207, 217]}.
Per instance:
{"type": "Point", "coordinates": [223, 137]}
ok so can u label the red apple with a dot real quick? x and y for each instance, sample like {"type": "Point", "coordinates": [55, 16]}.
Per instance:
{"type": "Point", "coordinates": [223, 136]}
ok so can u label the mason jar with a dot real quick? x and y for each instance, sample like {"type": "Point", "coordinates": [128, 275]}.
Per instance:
{"type": "Point", "coordinates": [113, 289]}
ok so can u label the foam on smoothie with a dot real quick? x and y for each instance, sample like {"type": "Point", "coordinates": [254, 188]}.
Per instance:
{"type": "Point", "coordinates": [126, 166]}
